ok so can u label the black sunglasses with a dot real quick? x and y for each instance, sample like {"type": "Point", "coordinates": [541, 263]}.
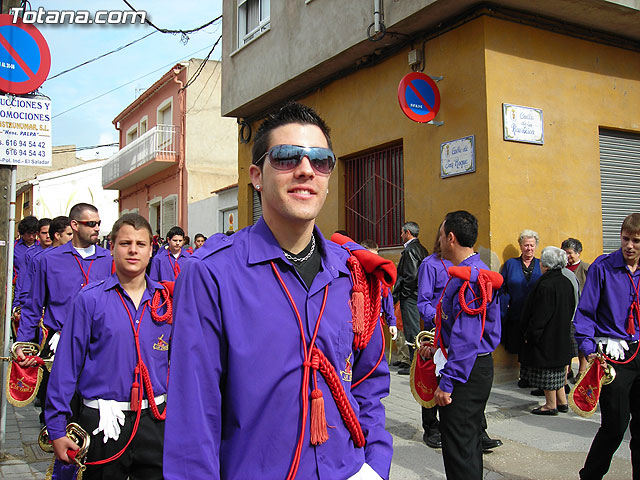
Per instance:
{"type": "Point", "coordinates": [90, 223]}
{"type": "Point", "coordinates": [288, 157]}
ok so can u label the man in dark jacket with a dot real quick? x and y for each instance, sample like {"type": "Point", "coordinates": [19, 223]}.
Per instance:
{"type": "Point", "coordinates": [406, 288]}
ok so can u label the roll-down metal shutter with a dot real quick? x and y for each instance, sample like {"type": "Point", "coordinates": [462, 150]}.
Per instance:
{"type": "Point", "coordinates": [257, 207]}
{"type": "Point", "coordinates": [620, 180]}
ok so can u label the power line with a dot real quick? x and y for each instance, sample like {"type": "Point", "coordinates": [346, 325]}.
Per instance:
{"type": "Point", "coordinates": [125, 84]}
{"type": "Point", "coordinates": [99, 57]}
{"type": "Point", "coordinates": [185, 36]}
{"type": "Point", "coordinates": [202, 65]}
{"type": "Point", "coordinates": [79, 149]}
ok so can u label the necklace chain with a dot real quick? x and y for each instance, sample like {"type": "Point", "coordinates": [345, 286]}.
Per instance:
{"type": "Point", "coordinates": [307, 256]}
{"type": "Point", "coordinates": [470, 255]}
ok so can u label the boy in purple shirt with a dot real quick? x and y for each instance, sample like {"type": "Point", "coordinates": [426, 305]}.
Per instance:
{"type": "Point", "coordinates": [248, 310]}
{"type": "Point", "coordinates": [113, 352]}
{"type": "Point", "coordinates": [166, 265]}
{"type": "Point", "coordinates": [607, 317]}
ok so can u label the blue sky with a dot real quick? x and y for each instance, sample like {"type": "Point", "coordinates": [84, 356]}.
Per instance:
{"type": "Point", "coordinates": [71, 45]}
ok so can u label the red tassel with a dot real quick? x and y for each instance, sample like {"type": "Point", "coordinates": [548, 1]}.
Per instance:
{"type": "Point", "coordinates": [319, 433]}
{"type": "Point", "coordinates": [357, 312]}
{"type": "Point", "coordinates": [631, 328]}
{"type": "Point", "coordinates": [135, 391]}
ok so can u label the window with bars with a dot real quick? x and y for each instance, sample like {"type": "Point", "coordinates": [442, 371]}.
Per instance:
{"type": "Point", "coordinates": [374, 186]}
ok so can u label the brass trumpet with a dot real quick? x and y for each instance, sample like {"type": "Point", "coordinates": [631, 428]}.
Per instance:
{"type": "Point", "coordinates": [28, 349]}
{"type": "Point", "coordinates": [609, 371]}
{"type": "Point", "coordinates": [76, 433]}
{"type": "Point", "coordinates": [427, 335]}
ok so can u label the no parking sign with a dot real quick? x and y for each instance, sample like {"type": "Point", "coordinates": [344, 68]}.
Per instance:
{"type": "Point", "coordinates": [419, 97]}
{"type": "Point", "coordinates": [25, 59]}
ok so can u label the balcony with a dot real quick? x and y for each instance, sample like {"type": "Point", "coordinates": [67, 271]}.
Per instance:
{"type": "Point", "coordinates": [152, 152]}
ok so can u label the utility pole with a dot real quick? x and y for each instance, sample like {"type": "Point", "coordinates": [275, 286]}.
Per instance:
{"type": "Point", "coordinates": [5, 238]}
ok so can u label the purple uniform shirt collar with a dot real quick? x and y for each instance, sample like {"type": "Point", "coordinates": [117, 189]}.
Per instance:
{"type": "Point", "coordinates": [263, 247]}
{"type": "Point", "coordinates": [69, 248]}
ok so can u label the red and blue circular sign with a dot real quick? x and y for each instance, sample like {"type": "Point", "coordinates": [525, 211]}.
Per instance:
{"type": "Point", "coordinates": [419, 97]}
{"type": "Point", "coordinates": [25, 59]}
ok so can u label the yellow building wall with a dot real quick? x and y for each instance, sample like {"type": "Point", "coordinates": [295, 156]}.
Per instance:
{"type": "Point", "coordinates": [363, 112]}
{"type": "Point", "coordinates": [580, 85]}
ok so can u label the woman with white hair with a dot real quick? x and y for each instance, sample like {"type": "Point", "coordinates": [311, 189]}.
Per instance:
{"type": "Point", "coordinates": [546, 326]}
{"type": "Point", "coordinates": [520, 274]}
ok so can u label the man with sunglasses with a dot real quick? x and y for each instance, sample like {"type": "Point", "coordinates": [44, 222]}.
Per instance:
{"type": "Point", "coordinates": [57, 278]}
{"type": "Point", "coordinates": [258, 308]}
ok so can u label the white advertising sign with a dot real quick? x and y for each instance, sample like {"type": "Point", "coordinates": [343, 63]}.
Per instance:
{"type": "Point", "coordinates": [522, 124]}
{"type": "Point", "coordinates": [25, 131]}
{"type": "Point", "coordinates": [458, 157]}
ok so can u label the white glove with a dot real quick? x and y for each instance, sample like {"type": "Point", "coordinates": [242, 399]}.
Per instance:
{"type": "Point", "coordinates": [439, 360]}
{"type": "Point", "coordinates": [111, 417]}
{"type": "Point", "coordinates": [365, 473]}
{"type": "Point", "coordinates": [394, 332]}
{"type": "Point", "coordinates": [53, 342]}
{"type": "Point", "coordinates": [616, 348]}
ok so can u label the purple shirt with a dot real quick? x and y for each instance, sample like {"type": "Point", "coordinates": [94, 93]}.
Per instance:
{"type": "Point", "coordinates": [432, 277]}
{"type": "Point", "coordinates": [163, 265]}
{"type": "Point", "coordinates": [604, 305]}
{"type": "Point", "coordinates": [23, 282]}
{"type": "Point", "coordinates": [386, 307]}
{"type": "Point", "coordinates": [461, 331]}
{"type": "Point", "coordinates": [19, 251]}
{"type": "Point", "coordinates": [97, 353]}
{"type": "Point", "coordinates": [56, 281]}
{"type": "Point", "coordinates": [236, 366]}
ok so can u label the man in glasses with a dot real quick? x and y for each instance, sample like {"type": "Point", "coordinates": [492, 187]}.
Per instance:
{"type": "Point", "coordinates": [267, 310]}
{"type": "Point", "coordinates": [58, 277]}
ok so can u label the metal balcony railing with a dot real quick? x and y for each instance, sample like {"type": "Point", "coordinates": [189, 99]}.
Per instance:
{"type": "Point", "coordinates": [159, 143]}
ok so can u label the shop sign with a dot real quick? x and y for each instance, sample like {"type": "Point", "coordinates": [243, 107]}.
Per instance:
{"type": "Point", "coordinates": [25, 131]}
{"type": "Point", "coordinates": [458, 157]}
{"type": "Point", "coordinates": [522, 124]}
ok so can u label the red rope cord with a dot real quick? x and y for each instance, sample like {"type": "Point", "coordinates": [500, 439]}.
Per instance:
{"type": "Point", "coordinates": [293, 469]}
{"type": "Point", "coordinates": [378, 362]}
{"type": "Point", "coordinates": [340, 397]}
{"type": "Point", "coordinates": [143, 373]}
{"type": "Point", "coordinates": [156, 305]}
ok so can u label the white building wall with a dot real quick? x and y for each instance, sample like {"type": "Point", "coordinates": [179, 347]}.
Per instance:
{"type": "Point", "coordinates": [208, 216]}
{"type": "Point", "coordinates": [54, 193]}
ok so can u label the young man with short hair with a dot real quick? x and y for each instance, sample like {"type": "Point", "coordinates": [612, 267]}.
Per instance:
{"type": "Point", "coordinates": [266, 310]}
{"type": "Point", "coordinates": [469, 337]}
{"type": "Point", "coordinates": [607, 318]}
{"type": "Point", "coordinates": [167, 263]}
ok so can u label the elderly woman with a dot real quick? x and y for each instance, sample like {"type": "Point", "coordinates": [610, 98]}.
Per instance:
{"type": "Point", "coordinates": [545, 325]}
{"type": "Point", "coordinates": [520, 274]}
{"type": "Point", "coordinates": [573, 249]}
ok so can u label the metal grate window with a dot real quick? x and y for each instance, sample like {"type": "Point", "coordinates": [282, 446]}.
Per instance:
{"type": "Point", "coordinates": [619, 177]}
{"type": "Point", "coordinates": [256, 205]}
{"type": "Point", "coordinates": [375, 196]}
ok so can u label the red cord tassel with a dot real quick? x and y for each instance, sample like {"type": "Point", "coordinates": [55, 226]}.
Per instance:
{"type": "Point", "coordinates": [319, 433]}
{"type": "Point", "coordinates": [135, 391]}
{"type": "Point", "coordinates": [357, 312]}
{"type": "Point", "coordinates": [631, 328]}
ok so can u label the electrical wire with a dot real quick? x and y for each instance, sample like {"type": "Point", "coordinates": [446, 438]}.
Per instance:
{"type": "Point", "coordinates": [125, 84]}
{"type": "Point", "coordinates": [202, 65]}
{"type": "Point", "coordinates": [184, 33]}
{"type": "Point", "coordinates": [79, 149]}
{"type": "Point", "coordinates": [99, 57]}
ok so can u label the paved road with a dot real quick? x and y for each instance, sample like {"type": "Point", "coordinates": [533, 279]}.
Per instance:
{"type": "Point", "coordinates": [537, 448]}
